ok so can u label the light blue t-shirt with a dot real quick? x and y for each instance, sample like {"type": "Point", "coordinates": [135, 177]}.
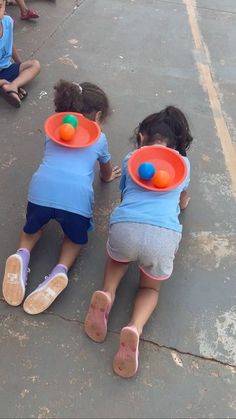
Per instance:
{"type": "Point", "coordinates": [6, 42]}
{"type": "Point", "coordinates": [140, 205]}
{"type": "Point", "coordinates": [64, 180]}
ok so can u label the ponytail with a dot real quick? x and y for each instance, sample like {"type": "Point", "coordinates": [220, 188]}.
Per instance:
{"type": "Point", "coordinates": [178, 124]}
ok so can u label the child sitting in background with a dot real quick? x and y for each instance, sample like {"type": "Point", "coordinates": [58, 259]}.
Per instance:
{"type": "Point", "coordinates": [61, 189]}
{"type": "Point", "coordinates": [143, 228]}
{"type": "Point", "coordinates": [13, 75]}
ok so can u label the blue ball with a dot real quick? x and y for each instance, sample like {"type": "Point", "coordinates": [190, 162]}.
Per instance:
{"type": "Point", "coordinates": [146, 171]}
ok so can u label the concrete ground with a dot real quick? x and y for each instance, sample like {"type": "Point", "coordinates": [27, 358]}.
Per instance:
{"type": "Point", "coordinates": [145, 54]}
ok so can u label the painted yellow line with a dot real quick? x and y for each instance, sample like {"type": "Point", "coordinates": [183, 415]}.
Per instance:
{"type": "Point", "coordinates": [206, 80]}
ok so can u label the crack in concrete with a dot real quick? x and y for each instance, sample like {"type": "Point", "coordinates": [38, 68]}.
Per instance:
{"type": "Point", "coordinates": [76, 6]}
{"type": "Point", "coordinates": [156, 344]}
{"type": "Point", "coordinates": [200, 357]}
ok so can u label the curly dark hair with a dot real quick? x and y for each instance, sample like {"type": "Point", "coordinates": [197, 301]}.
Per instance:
{"type": "Point", "coordinates": [85, 98]}
{"type": "Point", "coordinates": [169, 125]}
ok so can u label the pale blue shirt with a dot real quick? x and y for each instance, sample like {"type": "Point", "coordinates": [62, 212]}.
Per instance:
{"type": "Point", "coordinates": [140, 205]}
{"type": "Point", "coordinates": [64, 180]}
{"type": "Point", "coordinates": [6, 42]}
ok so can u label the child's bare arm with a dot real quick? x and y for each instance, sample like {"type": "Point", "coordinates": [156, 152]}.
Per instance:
{"type": "Point", "coordinates": [184, 199]}
{"type": "Point", "coordinates": [15, 55]}
{"type": "Point", "coordinates": [109, 173]}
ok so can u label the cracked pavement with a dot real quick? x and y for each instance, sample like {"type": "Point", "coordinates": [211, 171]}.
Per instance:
{"type": "Point", "coordinates": [142, 52]}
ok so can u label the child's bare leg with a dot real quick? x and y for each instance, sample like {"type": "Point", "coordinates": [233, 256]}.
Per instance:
{"type": "Point", "coordinates": [28, 241]}
{"type": "Point", "coordinates": [101, 302]}
{"type": "Point", "coordinates": [125, 361]}
{"type": "Point", "coordinates": [114, 272]}
{"type": "Point", "coordinates": [28, 71]}
{"type": "Point", "coordinates": [69, 253]}
{"type": "Point", "coordinates": [145, 302]}
{"type": "Point", "coordinates": [22, 6]}
{"type": "Point", "coordinates": [16, 269]}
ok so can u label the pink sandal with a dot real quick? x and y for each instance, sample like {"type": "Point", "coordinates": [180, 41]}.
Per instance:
{"type": "Point", "coordinates": [125, 363]}
{"type": "Point", "coordinates": [95, 325]}
{"type": "Point", "coordinates": [30, 14]}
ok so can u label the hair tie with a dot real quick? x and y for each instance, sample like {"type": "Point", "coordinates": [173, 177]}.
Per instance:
{"type": "Point", "coordinates": [78, 85]}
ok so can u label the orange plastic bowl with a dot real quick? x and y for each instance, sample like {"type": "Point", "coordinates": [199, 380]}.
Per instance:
{"type": "Point", "coordinates": [86, 133]}
{"type": "Point", "coordinates": [162, 158]}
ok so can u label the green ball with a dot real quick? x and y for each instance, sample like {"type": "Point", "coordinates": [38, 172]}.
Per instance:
{"type": "Point", "coordinates": [70, 119]}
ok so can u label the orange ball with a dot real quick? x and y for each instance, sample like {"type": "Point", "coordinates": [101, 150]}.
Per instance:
{"type": "Point", "coordinates": [66, 132]}
{"type": "Point", "coordinates": [161, 179]}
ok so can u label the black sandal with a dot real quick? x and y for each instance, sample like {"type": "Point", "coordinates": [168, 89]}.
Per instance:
{"type": "Point", "coordinates": [22, 93]}
{"type": "Point", "coordinates": [8, 96]}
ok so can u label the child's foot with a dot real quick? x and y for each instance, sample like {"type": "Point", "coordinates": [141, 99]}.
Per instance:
{"type": "Point", "coordinates": [15, 277]}
{"type": "Point", "coordinates": [10, 94]}
{"type": "Point", "coordinates": [22, 93]}
{"type": "Point", "coordinates": [96, 320]}
{"type": "Point", "coordinates": [44, 295]}
{"type": "Point", "coordinates": [29, 14]}
{"type": "Point", "coordinates": [125, 363]}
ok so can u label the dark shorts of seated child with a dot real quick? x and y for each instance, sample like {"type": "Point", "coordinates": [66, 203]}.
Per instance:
{"type": "Point", "coordinates": [10, 73]}
{"type": "Point", "coordinates": [74, 226]}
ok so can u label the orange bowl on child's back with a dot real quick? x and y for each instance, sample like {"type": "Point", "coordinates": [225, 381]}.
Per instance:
{"type": "Point", "coordinates": [86, 133]}
{"type": "Point", "coordinates": [164, 159]}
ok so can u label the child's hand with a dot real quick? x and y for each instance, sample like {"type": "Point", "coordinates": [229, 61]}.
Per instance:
{"type": "Point", "coordinates": [109, 173]}
{"type": "Point", "coordinates": [184, 200]}
{"type": "Point", "coordinates": [116, 172]}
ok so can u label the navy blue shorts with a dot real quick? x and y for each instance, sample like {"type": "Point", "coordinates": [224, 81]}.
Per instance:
{"type": "Point", "coordinates": [74, 226]}
{"type": "Point", "coordinates": [10, 73]}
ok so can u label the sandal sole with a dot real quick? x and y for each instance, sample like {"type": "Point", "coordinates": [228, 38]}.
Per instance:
{"type": "Point", "coordinates": [12, 288]}
{"type": "Point", "coordinates": [24, 95]}
{"type": "Point", "coordinates": [95, 325]}
{"type": "Point", "coordinates": [10, 99]}
{"type": "Point", "coordinates": [39, 300]}
{"type": "Point", "coordinates": [125, 363]}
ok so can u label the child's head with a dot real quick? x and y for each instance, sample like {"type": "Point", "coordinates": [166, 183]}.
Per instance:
{"type": "Point", "coordinates": [2, 8]}
{"type": "Point", "coordinates": [85, 98]}
{"type": "Point", "coordinates": [168, 127]}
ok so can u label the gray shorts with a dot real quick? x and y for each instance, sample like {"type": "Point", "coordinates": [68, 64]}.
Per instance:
{"type": "Point", "coordinates": [153, 247]}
